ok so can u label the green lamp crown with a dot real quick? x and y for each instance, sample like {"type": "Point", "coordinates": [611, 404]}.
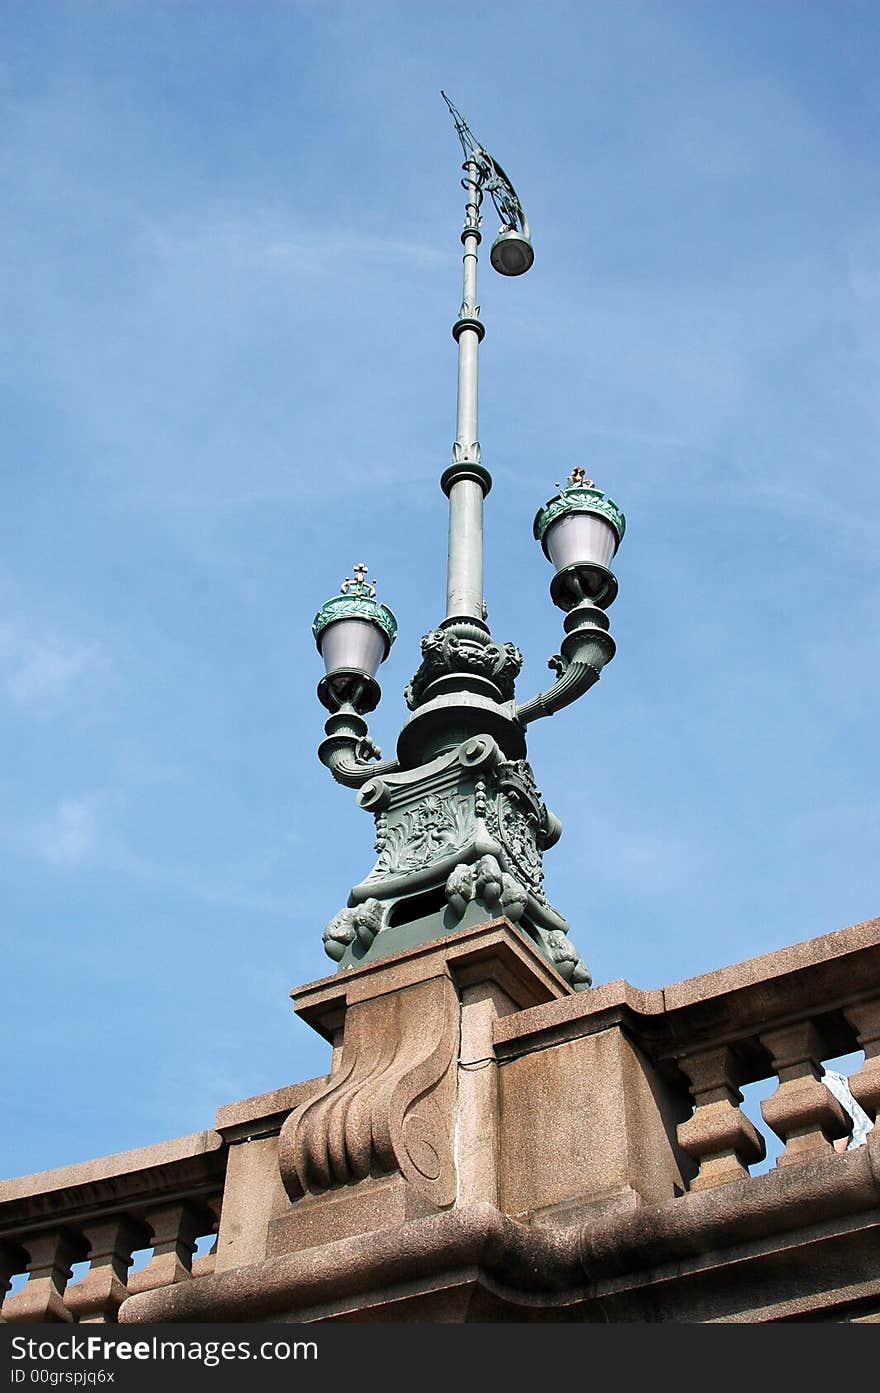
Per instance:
{"type": "Point", "coordinates": [579, 495]}
{"type": "Point", "coordinates": [356, 600]}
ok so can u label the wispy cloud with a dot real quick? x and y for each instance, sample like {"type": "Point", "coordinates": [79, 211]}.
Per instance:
{"type": "Point", "coordinates": [638, 437]}
{"type": "Point", "coordinates": [260, 242]}
{"type": "Point", "coordinates": [862, 251]}
{"type": "Point", "coordinates": [64, 835]}
{"type": "Point", "coordinates": [68, 837]}
{"type": "Point", "coordinates": [82, 832]}
{"type": "Point", "coordinates": [41, 668]}
{"type": "Point", "coordinates": [821, 506]}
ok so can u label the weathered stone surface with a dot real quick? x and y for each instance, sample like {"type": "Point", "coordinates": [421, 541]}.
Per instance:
{"type": "Point", "coordinates": [376, 1202]}
{"type": "Point", "coordinates": [803, 1113]}
{"type": "Point", "coordinates": [565, 1177]}
{"type": "Point", "coordinates": [193, 1163]}
{"type": "Point", "coordinates": [13, 1260]}
{"type": "Point", "coordinates": [77, 1207]}
{"type": "Point", "coordinates": [719, 1136]}
{"type": "Point", "coordinates": [174, 1229]}
{"type": "Point", "coordinates": [96, 1298]}
{"type": "Point", "coordinates": [51, 1258]}
{"type": "Point", "coordinates": [253, 1197]}
{"type": "Point", "coordinates": [798, 1250]}
{"type": "Point", "coordinates": [390, 1105]}
{"type": "Point", "coordinates": [479, 1132]}
{"type": "Point", "coordinates": [258, 1116]}
{"type": "Point", "coordinates": [589, 1120]}
{"type": "Point", "coordinates": [864, 1016]}
{"type": "Point", "coordinates": [827, 959]}
{"type": "Point", "coordinates": [493, 950]}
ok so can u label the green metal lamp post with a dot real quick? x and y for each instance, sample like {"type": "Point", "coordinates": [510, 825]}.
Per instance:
{"type": "Point", "coordinates": [461, 826]}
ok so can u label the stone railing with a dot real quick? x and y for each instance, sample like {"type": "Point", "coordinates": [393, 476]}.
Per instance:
{"type": "Point", "coordinates": [674, 1061]}
{"type": "Point", "coordinates": [803, 1112]}
{"type": "Point", "coordinates": [777, 1017]}
{"type": "Point", "coordinates": [164, 1197]}
{"type": "Point", "coordinates": [489, 1142]}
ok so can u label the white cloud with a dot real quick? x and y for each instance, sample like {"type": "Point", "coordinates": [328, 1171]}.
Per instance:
{"type": "Point", "coordinates": [259, 242]}
{"type": "Point", "coordinates": [861, 530]}
{"type": "Point", "coordinates": [68, 837]}
{"type": "Point", "coordinates": [39, 668]}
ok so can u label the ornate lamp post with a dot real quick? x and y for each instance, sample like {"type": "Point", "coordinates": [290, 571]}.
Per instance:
{"type": "Point", "coordinates": [461, 827]}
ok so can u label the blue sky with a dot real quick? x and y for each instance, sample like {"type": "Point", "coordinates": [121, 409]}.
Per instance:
{"type": "Point", "coordinates": [231, 265]}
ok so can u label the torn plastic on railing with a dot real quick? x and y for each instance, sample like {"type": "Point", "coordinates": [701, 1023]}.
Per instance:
{"type": "Point", "coordinates": [861, 1122]}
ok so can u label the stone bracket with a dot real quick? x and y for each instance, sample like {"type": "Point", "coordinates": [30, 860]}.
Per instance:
{"type": "Point", "coordinates": [384, 1110]}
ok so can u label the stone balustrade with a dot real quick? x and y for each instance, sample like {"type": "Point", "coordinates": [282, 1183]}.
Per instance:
{"type": "Point", "coordinates": [719, 1137]}
{"type": "Point", "coordinates": [791, 1011]}
{"type": "Point", "coordinates": [163, 1197]}
{"type": "Point", "coordinates": [652, 1105]}
{"type": "Point", "coordinates": [864, 1017]}
{"type": "Point", "coordinates": [489, 1141]}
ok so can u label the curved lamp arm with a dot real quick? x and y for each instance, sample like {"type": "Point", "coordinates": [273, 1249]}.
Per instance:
{"type": "Point", "coordinates": [584, 654]}
{"type": "Point", "coordinates": [349, 753]}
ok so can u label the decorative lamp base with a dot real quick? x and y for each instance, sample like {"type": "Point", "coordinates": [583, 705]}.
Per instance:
{"type": "Point", "coordinates": [583, 581]}
{"type": "Point", "coordinates": [348, 687]}
{"type": "Point", "coordinates": [459, 839]}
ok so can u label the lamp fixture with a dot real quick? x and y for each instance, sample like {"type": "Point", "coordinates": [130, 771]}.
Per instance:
{"type": "Point", "coordinates": [461, 826]}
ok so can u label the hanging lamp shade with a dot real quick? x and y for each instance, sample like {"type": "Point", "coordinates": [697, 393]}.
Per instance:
{"type": "Point", "coordinates": [511, 253]}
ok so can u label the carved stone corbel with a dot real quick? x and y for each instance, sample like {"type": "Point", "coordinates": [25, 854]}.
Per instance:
{"type": "Point", "coordinates": [389, 1107]}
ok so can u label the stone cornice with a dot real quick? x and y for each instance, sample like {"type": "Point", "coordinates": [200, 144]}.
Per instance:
{"type": "Point", "coordinates": [184, 1167]}
{"type": "Point", "coordinates": [820, 975]}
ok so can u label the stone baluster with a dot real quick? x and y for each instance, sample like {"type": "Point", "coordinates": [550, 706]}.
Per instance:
{"type": "Point", "coordinates": [175, 1228]}
{"type": "Point", "coordinates": [97, 1297]}
{"type": "Point", "coordinates": [864, 1085]}
{"type": "Point", "coordinates": [52, 1256]}
{"type": "Point", "coordinates": [719, 1136]}
{"type": "Point", "coordinates": [12, 1261]}
{"type": "Point", "coordinates": [204, 1266]}
{"type": "Point", "coordinates": [802, 1112]}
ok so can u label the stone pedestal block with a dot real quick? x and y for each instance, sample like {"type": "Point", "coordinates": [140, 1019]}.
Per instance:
{"type": "Point", "coordinates": [587, 1122]}
{"type": "Point", "coordinates": [403, 1127]}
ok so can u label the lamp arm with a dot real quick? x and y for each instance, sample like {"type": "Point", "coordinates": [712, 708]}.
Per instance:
{"type": "Point", "coordinates": [578, 672]}
{"type": "Point", "coordinates": [354, 771]}
{"type": "Point", "coordinates": [349, 753]}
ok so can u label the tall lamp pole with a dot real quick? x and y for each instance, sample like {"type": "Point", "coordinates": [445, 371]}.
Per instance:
{"type": "Point", "coordinates": [461, 826]}
{"type": "Point", "coordinates": [466, 481]}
